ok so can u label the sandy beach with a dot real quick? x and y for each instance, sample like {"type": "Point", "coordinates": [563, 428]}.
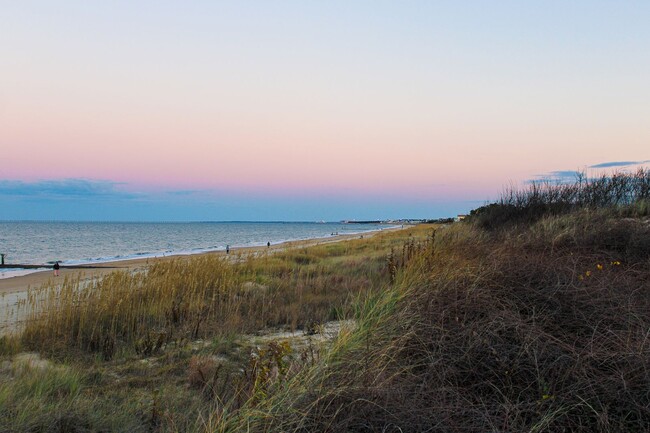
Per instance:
{"type": "Point", "coordinates": [37, 279]}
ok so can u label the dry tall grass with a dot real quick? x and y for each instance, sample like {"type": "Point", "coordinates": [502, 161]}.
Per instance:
{"type": "Point", "coordinates": [542, 327]}
{"type": "Point", "coordinates": [146, 310]}
{"type": "Point", "coordinates": [169, 349]}
{"type": "Point", "coordinates": [174, 302]}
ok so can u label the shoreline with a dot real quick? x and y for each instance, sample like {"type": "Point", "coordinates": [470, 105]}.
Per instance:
{"type": "Point", "coordinates": [26, 268]}
{"type": "Point", "coordinates": [21, 283]}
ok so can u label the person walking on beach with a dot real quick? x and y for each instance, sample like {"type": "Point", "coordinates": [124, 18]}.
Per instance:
{"type": "Point", "coordinates": [268, 244]}
{"type": "Point", "coordinates": [227, 249]}
{"type": "Point", "coordinates": [56, 269]}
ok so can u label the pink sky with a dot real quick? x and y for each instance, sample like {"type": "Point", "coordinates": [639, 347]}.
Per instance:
{"type": "Point", "coordinates": [425, 102]}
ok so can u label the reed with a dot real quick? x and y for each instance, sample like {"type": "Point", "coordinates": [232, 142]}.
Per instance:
{"type": "Point", "coordinates": [541, 325]}
{"type": "Point", "coordinates": [174, 302]}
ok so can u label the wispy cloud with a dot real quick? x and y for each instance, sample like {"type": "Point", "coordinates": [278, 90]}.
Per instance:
{"type": "Point", "coordinates": [557, 176]}
{"type": "Point", "coordinates": [186, 192]}
{"type": "Point", "coordinates": [567, 176]}
{"type": "Point", "coordinates": [65, 188]}
{"type": "Point", "coordinates": [618, 164]}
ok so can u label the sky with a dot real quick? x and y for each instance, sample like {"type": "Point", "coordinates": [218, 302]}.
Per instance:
{"type": "Point", "coordinates": [301, 111]}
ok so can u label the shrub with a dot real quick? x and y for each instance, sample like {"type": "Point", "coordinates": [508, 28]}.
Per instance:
{"type": "Point", "coordinates": [491, 333]}
{"type": "Point", "coordinates": [624, 192]}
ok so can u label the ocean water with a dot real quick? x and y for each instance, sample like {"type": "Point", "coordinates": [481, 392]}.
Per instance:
{"type": "Point", "coordinates": [71, 243]}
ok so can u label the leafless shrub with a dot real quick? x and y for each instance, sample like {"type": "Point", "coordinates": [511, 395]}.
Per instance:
{"type": "Point", "coordinates": [625, 192]}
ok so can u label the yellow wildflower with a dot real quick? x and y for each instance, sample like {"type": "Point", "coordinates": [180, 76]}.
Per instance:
{"type": "Point", "coordinates": [599, 266]}
{"type": "Point", "coordinates": [588, 273]}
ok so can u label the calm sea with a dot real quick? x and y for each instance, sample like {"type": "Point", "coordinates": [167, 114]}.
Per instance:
{"type": "Point", "coordinates": [87, 243]}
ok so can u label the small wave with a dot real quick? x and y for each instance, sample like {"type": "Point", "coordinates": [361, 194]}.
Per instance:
{"type": "Point", "coordinates": [19, 272]}
{"type": "Point", "coordinates": [240, 238]}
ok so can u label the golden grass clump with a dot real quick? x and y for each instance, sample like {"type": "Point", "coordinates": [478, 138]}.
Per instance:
{"type": "Point", "coordinates": [145, 309]}
{"type": "Point", "coordinates": [173, 302]}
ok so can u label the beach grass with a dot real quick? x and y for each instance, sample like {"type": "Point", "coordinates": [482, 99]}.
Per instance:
{"type": "Point", "coordinates": [538, 323]}
{"type": "Point", "coordinates": [163, 348]}
{"type": "Point", "coordinates": [490, 331]}
{"type": "Point", "coordinates": [186, 299]}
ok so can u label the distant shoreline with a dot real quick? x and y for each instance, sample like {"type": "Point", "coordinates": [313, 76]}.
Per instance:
{"type": "Point", "coordinates": [33, 260]}
{"type": "Point", "coordinates": [38, 277]}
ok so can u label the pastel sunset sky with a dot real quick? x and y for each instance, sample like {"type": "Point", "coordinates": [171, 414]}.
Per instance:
{"type": "Point", "coordinates": [301, 110]}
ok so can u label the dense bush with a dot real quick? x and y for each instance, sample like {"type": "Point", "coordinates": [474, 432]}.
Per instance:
{"type": "Point", "coordinates": [624, 192]}
{"type": "Point", "coordinates": [540, 326]}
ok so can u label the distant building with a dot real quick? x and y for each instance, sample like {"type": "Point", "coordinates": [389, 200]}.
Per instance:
{"type": "Point", "coordinates": [460, 217]}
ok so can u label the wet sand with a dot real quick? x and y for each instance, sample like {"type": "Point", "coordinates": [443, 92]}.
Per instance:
{"type": "Point", "coordinates": [37, 279]}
